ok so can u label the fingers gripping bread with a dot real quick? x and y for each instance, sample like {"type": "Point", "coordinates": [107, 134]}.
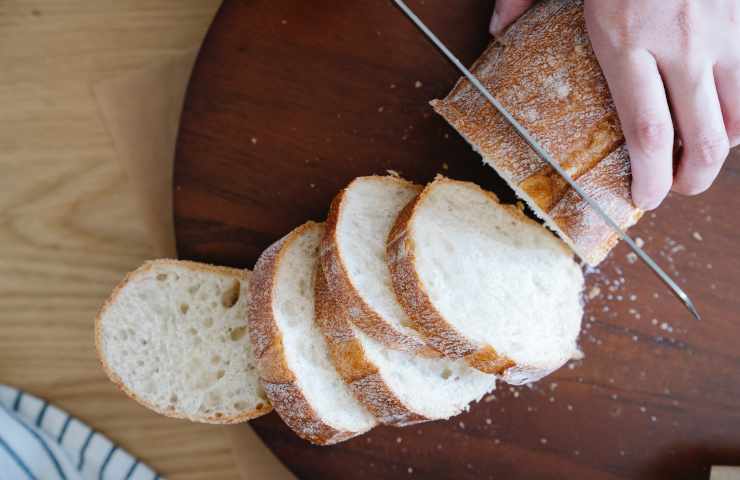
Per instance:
{"type": "Point", "coordinates": [172, 336]}
{"type": "Point", "coordinates": [483, 282]}
{"type": "Point", "coordinates": [292, 355]}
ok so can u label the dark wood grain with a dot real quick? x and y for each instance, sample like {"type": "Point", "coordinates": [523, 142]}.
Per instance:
{"type": "Point", "coordinates": [290, 100]}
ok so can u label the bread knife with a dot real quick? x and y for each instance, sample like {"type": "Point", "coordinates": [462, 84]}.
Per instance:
{"type": "Point", "coordinates": [545, 156]}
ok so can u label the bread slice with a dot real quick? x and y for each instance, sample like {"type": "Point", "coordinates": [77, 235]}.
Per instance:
{"type": "Point", "coordinates": [293, 358]}
{"type": "Point", "coordinates": [543, 70]}
{"type": "Point", "coordinates": [173, 336]}
{"type": "Point", "coordinates": [353, 257]}
{"type": "Point", "coordinates": [484, 282]}
{"type": "Point", "coordinates": [398, 387]}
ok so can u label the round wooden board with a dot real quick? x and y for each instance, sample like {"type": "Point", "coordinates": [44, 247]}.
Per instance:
{"type": "Point", "coordinates": [290, 100]}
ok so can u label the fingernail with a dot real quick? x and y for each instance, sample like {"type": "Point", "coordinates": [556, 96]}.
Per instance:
{"type": "Point", "coordinates": [495, 25]}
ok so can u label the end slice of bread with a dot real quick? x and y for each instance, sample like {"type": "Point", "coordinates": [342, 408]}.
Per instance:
{"type": "Point", "coordinates": [173, 336]}
{"type": "Point", "coordinates": [353, 258]}
{"type": "Point", "coordinates": [398, 387]}
{"type": "Point", "coordinates": [484, 282]}
{"type": "Point", "coordinates": [294, 365]}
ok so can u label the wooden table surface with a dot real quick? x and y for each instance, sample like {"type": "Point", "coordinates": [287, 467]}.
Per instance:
{"type": "Point", "coordinates": [290, 100]}
{"type": "Point", "coordinates": [69, 224]}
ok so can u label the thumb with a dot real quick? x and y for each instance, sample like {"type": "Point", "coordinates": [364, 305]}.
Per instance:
{"type": "Point", "coordinates": [505, 12]}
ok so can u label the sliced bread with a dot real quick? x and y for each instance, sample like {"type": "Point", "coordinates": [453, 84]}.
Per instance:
{"type": "Point", "coordinates": [173, 336]}
{"type": "Point", "coordinates": [353, 258]}
{"type": "Point", "coordinates": [293, 357]}
{"type": "Point", "coordinates": [484, 282]}
{"type": "Point", "coordinates": [398, 387]}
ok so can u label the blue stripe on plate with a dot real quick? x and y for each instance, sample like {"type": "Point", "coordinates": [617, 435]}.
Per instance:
{"type": "Point", "coordinates": [40, 417]}
{"type": "Point", "coordinates": [17, 402]}
{"type": "Point", "coordinates": [106, 461]}
{"type": "Point", "coordinates": [17, 459]}
{"type": "Point", "coordinates": [64, 429]}
{"type": "Point", "coordinates": [42, 442]}
{"type": "Point", "coordinates": [131, 470]}
{"type": "Point", "coordinates": [84, 449]}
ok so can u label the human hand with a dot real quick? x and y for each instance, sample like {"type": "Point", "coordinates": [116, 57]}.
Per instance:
{"type": "Point", "coordinates": [656, 53]}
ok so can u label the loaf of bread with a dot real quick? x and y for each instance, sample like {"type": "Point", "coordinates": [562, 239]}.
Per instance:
{"type": "Point", "coordinates": [173, 336]}
{"type": "Point", "coordinates": [543, 70]}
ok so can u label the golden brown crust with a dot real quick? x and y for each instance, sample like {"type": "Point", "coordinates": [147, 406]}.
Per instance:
{"type": "Point", "coordinates": [261, 409]}
{"type": "Point", "coordinates": [277, 379]}
{"type": "Point", "coordinates": [543, 70]}
{"type": "Point", "coordinates": [357, 371]}
{"type": "Point", "coordinates": [417, 304]}
{"type": "Point", "coordinates": [344, 292]}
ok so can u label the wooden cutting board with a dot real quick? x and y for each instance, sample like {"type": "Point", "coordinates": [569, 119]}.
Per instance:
{"type": "Point", "coordinates": [290, 100]}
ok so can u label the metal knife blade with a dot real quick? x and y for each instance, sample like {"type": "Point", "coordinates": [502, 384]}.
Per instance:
{"type": "Point", "coordinates": [545, 156]}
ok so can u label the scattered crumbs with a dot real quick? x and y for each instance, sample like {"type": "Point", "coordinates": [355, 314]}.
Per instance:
{"type": "Point", "coordinates": [516, 394]}
{"type": "Point", "coordinates": [572, 366]}
{"type": "Point", "coordinates": [570, 407]}
{"type": "Point", "coordinates": [439, 446]}
{"type": "Point", "coordinates": [578, 354]}
{"type": "Point", "coordinates": [631, 257]}
{"type": "Point", "coordinates": [312, 185]}
{"type": "Point", "coordinates": [621, 452]}
{"type": "Point", "coordinates": [708, 218]}
{"type": "Point", "coordinates": [654, 321]}
{"type": "Point", "coordinates": [461, 425]}
{"type": "Point", "coordinates": [489, 398]}
{"type": "Point", "coordinates": [594, 292]}
{"type": "Point", "coordinates": [643, 409]}
{"type": "Point", "coordinates": [552, 399]}
{"type": "Point", "coordinates": [576, 452]}
{"type": "Point", "coordinates": [393, 173]}
{"type": "Point", "coordinates": [653, 419]}
{"type": "Point", "coordinates": [380, 109]}
{"type": "Point", "coordinates": [697, 236]}
{"type": "Point", "coordinates": [496, 441]}
{"type": "Point", "coordinates": [418, 84]}
{"type": "Point", "coordinates": [635, 338]}
{"type": "Point", "coordinates": [543, 441]}
{"type": "Point", "coordinates": [664, 326]}
{"type": "Point", "coordinates": [675, 403]}
{"type": "Point", "coordinates": [615, 396]}
{"type": "Point", "coordinates": [666, 391]}
{"type": "Point", "coordinates": [445, 166]}
{"type": "Point", "coordinates": [709, 266]}
{"type": "Point", "coordinates": [639, 242]}
{"type": "Point", "coordinates": [399, 439]}
{"type": "Point", "coordinates": [254, 140]}
{"type": "Point", "coordinates": [655, 295]}
{"type": "Point", "coordinates": [393, 85]}
{"type": "Point", "coordinates": [369, 440]}
{"type": "Point", "coordinates": [633, 297]}
{"type": "Point", "coordinates": [488, 421]}
{"type": "Point", "coordinates": [284, 21]}
{"type": "Point", "coordinates": [410, 470]}
{"type": "Point", "coordinates": [611, 380]}
{"type": "Point", "coordinates": [553, 386]}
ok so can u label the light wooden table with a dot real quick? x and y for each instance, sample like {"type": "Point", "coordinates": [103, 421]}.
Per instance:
{"type": "Point", "coordinates": [69, 227]}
